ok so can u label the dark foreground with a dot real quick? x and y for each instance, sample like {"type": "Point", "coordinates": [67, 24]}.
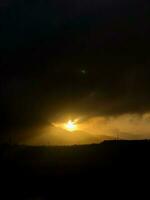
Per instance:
{"type": "Point", "coordinates": [41, 172]}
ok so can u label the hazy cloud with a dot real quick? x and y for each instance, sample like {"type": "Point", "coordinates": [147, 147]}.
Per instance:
{"type": "Point", "coordinates": [126, 126]}
{"type": "Point", "coordinates": [91, 130]}
{"type": "Point", "coordinates": [45, 47]}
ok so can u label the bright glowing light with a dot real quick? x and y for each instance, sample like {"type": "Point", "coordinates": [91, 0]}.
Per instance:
{"type": "Point", "coordinates": [70, 126]}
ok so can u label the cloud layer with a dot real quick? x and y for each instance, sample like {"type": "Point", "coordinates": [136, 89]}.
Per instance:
{"type": "Point", "coordinates": [46, 46]}
{"type": "Point", "coordinates": [91, 130]}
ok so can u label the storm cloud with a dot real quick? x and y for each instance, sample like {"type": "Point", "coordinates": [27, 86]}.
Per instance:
{"type": "Point", "coordinates": [86, 58]}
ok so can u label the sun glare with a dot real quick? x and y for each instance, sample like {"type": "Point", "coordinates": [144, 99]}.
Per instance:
{"type": "Point", "coordinates": [70, 126]}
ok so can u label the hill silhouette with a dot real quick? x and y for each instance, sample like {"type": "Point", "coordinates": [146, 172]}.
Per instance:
{"type": "Point", "coordinates": [36, 170]}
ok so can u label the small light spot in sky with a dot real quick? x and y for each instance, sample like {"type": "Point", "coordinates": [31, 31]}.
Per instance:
{"type": "Point", "coordinates": [83, 71]}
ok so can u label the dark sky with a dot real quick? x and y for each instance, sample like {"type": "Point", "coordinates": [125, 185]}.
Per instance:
{"type": "Point", "coordinates": [81, 56]}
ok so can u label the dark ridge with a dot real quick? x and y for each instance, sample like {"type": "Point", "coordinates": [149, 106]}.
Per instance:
{"type": "Point", "coordinates": [28, 170]}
